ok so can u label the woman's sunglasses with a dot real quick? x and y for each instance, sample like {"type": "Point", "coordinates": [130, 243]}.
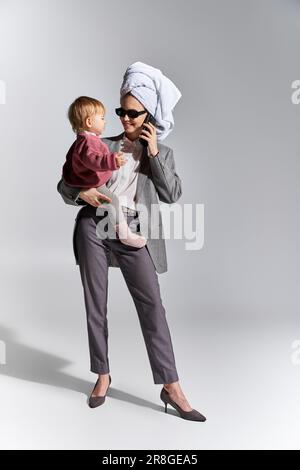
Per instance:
{"type": "Point", "coordinates": [131, 113]}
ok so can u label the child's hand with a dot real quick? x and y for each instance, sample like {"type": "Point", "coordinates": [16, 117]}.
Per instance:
{"type": "Point", "coordinates": [120, 159]}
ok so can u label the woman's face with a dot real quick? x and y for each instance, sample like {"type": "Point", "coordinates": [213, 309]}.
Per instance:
{"type": "Point", "coordinates": [132, 127]}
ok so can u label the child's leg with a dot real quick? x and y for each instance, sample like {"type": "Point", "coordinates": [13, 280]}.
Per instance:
{"type": "Point", "coordinates": [113, 208]}
{"type": "Point", "coordinates": [118, 220]}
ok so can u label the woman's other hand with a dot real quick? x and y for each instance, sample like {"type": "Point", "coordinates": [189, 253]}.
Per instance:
{"type": "Point", "coordinates": [91, 196]}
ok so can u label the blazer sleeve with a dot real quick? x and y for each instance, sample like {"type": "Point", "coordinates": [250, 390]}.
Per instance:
{"type": "Point", "coordinates": [70, 194]}
{"type": "Point", "coordinates": [164, 176]}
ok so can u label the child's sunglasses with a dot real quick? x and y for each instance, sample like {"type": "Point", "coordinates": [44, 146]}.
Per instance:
{"type": "Point", "coordinates": [131, 113]}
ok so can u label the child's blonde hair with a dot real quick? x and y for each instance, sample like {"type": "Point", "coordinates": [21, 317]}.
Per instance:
{"type": "Point", "coordinates": [82, 108]}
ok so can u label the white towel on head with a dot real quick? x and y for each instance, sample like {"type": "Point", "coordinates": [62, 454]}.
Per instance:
{"type": "Point", "coordinates": [155, 91]}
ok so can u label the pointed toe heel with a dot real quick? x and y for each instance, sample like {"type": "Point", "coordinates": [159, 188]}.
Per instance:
{"type": "Point", "coordinates": [98, 401]}
{"type": "Point", "coordinates": [193, 415]}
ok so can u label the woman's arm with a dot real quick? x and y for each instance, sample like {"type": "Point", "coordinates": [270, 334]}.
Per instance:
{"type": "Point", "coordinates": [78, 197]}
{"type": "Point", "coordinates": [69, 194]}
{"type": "Point", "coordinates": [164, 176]}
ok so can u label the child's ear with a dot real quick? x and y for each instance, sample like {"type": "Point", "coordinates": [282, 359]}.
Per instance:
{"type": "Point", "coordinates": [88, 122]}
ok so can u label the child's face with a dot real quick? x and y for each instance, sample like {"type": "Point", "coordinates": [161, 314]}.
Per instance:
{"type": "Point", "coordinates": [96, 123]}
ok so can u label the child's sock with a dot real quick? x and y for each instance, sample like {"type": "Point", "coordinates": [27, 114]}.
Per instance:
{"type": "Point", "coordinates": [127, 237]}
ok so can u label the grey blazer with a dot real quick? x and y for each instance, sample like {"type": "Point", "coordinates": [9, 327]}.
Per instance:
{"type": "Point", "coordinates": [157, 181]}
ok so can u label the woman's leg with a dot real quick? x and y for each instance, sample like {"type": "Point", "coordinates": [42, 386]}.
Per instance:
{"type": "Point", "coordinates": [93, 265]}
{"type": "Point", "coordinates": [142, 281]}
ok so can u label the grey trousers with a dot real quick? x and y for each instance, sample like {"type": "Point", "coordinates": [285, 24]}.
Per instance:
{"type": "Point", "coordinates": [142, 281]}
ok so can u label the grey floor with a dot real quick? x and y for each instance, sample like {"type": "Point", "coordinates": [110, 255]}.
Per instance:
{"type": "Point", "coordinates": [240, 374]}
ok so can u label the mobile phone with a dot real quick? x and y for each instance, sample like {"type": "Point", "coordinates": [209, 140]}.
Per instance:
{"type": "Point", "coordinates": [151, 119]}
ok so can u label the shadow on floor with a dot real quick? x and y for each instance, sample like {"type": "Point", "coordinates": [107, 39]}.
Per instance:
{"type": "Point", "coordinates": [33, 365]}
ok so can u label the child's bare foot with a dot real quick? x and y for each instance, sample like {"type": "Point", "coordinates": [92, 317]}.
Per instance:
{"type": "Point", "coordinates": [127, 237]}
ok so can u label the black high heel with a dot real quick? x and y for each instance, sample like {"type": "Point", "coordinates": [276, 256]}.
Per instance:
{"type": "Point", "coordinates": [97, 401]}
{"type": "Point", "coordinates": [193, 415]}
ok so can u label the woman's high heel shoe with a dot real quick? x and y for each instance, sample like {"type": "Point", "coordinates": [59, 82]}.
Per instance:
{"type": "Point", "coordinates": [193, 415]}
{"type": "Point", "coordinates": [97, 401]}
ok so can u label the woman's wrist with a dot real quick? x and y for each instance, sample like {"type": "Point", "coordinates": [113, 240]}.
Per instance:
{"type": "Point", "coordinates": [152, 153]}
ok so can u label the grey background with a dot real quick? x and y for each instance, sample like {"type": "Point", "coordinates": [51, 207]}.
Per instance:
{"type": "Point", "coordinates": [233, 307]}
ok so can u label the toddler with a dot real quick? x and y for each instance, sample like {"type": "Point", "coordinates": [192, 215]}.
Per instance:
{"type": "Point", "coordinates": [89, 163]}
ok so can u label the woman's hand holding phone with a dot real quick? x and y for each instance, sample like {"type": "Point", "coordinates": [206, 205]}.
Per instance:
{"type": "Point", "coordinates": [149, 135]}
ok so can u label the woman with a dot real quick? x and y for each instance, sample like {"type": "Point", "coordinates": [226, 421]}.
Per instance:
{"type": "Point", "coordinates": [153, 178]}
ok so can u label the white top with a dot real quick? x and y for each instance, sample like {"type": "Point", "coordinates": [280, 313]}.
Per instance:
{"type": "Point", "coordinates": [124, 180]}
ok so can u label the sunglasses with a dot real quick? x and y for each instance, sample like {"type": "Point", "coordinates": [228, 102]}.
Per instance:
{"type": "Point", "coordinates": [131, 113]}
